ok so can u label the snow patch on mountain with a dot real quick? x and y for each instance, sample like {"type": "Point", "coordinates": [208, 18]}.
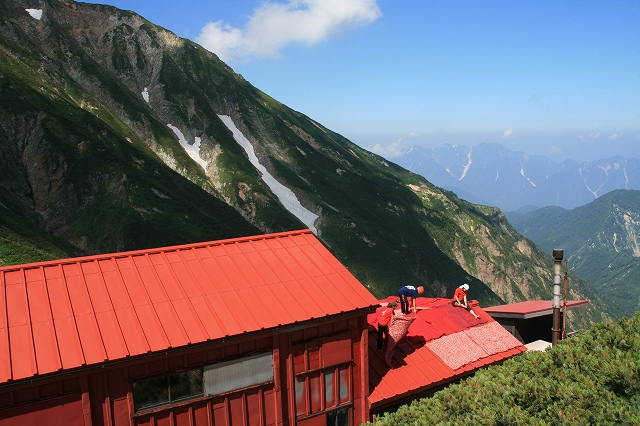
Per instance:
{"type": "Point", "coordinates": [192, 149]}
{"type": "Point", "coordinates": [466, 166]}
{"type": "Point", "coordinates": [523, 174]}
{"type": "Point", "coordinates": [284, 194]}
{"type": "Point", "coordinates": [35, 13]}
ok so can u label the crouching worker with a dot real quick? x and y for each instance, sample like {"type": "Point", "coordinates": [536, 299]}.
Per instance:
{"type": "Point", "coordinates": [460, 299]}
{"type": "Point", "coordinates": [383, 323]}
{"type": "Point", "coordinates": [406, 292]}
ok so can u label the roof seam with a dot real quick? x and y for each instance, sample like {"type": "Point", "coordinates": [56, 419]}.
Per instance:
{"type": "Point", "coordinates": [166, 294]}
{"type": "Point", "coordinates": [30, 323]}
{"type": "Point", "coordinates": [131, 305]}
{"type": "Point", "coordinates": [214, 312]}
{"type": "Point", "coordinates": [3, 283]}
{"type": "Point", "coordinates": [203, 329]}
{"type": "Point", "coordinates": [224, 293]}
{"type": "Point", "coordinates": [113, 309]}
{"type": "Point", "coordinates": [156, 318]}
{"type": "Point", "coordinates": [50, 311]}
{"type": "Point", "coordinates": [93, 310]}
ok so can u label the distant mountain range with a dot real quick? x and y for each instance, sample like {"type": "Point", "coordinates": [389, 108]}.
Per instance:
{"type": "Point", "coordinates": [492, 175]}
{"type": "Point", "coordinates": [601, 241]}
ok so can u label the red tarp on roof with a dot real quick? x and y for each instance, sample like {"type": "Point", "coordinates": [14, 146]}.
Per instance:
{"type": "Point", "coordinates": [75, 312]}
{"type": "Point", "coordinates": [443, 344]}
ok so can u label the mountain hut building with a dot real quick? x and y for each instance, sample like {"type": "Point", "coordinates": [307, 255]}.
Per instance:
{"type": "Point", "coordinates": [247, 331]}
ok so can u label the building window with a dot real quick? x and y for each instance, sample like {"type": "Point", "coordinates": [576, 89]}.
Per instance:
{"type": "Point", "coordinates": [323, 369]}
{"type": "Point", "coordinates": [238, 373]}
{"type": "Point", "coordinates": [167, 389]}
{"type": "Point", "coordinates": [322, 390]}
{"type": "Point", "coordinates": [210, 380]}
{"type": "Point", "coordinates": [338, 417]}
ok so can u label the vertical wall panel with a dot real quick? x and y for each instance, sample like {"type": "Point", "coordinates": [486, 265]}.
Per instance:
{"type": "Point", "coordinates": [201, 414]}
{"type": "Point", "coordinates": [118, 394]}
{"type": "Point", "coordinates": [336, 350]}
{"type": "Point", "coordinates": [270, 405]}
{"type": "Point", "coordinates": [220, 413]}
{"type": "Point", "coordinates": [97, 399]}
{"type": "Point", "coordinates": [183, 416]}
{"type": "Point", "coordinates": [320, 420]}
{"type": "Point", "coordinates": [162, 419]}
{"type": "Point", "coordinates": [142, 421]}
{"type": "Point", "coordinates": [255, 408]}
{"type": "Point", "coordinates": [237, 410]}
{"type": "Point", "coordinates": [62, 411]}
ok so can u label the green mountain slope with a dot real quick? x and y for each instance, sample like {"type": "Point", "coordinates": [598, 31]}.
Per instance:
{"type": "Point", "coordinates": [601, 242]}
{"type": "Point", "coordinates": [90, 101]}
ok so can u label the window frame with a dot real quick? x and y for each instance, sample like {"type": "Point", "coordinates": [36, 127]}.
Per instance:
{"type": "Point", "coordinates": [142, 408]}
{"type": "Point", "coordinates": [312, 361]}
{"type": "Point", "coordinates": [169, 401]}
{"type": "Point", "coordinates": [303, 391]}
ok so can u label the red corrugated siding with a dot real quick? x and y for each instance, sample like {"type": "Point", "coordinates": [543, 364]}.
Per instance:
{"type": "Point", "coordinates": [70, 313]}
{"type": "Point", "coordinates": [332, 344]}
{"type": "Point", "coordinates": [63, 411]}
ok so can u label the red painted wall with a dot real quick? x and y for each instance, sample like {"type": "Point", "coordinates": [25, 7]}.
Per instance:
{"type": "Point", "coordinates": [318, 368]}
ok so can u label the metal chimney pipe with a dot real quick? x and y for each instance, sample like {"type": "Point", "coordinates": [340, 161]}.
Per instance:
{"type": "Point", "coordinates": [555, 329]}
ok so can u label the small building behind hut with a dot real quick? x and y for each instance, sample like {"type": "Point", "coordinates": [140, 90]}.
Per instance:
{"type": "Point", "coordinates": [531, 321]}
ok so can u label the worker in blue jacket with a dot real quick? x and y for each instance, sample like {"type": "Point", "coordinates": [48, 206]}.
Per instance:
{"type": "Point", "coordinates": [406, 292]}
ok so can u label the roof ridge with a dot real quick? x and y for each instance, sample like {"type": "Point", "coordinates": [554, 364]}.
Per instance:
{"type": "Point", "coordinates": [154, 250]}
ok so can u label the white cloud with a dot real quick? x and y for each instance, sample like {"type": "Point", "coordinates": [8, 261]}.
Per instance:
{"type": "Point", "coordinates": [616, 136]}
{"type": "Point", "coordinates": [276, 25]}
{"type": "Point", "coordinates": [509, 133]}
{"type": "Point", "coordinates": [594, 136]}
{"type": "Point", "coordinates": [554, 149]}
{"type": "Point", "coordinates": [394, 149]}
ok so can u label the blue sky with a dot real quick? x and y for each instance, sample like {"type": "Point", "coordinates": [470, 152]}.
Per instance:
{"type": "Point", "coordinates": [556, 78]}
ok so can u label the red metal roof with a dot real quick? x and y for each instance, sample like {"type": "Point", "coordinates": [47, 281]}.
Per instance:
{"type": "Point", "coordinates": [530, 308]}
{"type": "Point", "coordinates": [70, 313]}
{"type": "Point", "coordinates": [443, 343]}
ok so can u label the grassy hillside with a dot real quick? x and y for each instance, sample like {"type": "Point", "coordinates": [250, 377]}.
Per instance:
{"type": "Point", "coordinates": [21, 237]}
